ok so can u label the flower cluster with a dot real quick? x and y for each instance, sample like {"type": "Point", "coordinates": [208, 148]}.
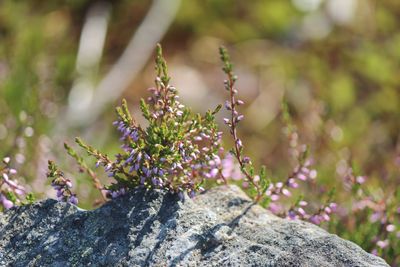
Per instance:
{"type": "Point", "coordinates": [298, 212]}
{"type": "Point", "coordinates": [11, 193]}
{"type": "Point", "coordinates": [301, 173]}
{"type": "Point", "coordinates": [177, 150]}
{"type": "Point", "coordinates": [383, 214]}
{"type": "Point", "coordinates": [61, 184]}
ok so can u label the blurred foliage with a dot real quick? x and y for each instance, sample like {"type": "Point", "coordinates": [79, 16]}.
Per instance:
{"type": "Point", "coordinates": [338, 70]}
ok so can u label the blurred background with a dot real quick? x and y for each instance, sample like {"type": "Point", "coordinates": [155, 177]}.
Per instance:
{"type": "Point", "coordinates": [64, 65]}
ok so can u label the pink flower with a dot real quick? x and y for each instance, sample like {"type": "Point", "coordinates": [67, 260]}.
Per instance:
{"type": "Point", "coordinates": [292, 183]}
{"type": "Point", "coordinates": [328, 210]}
{"type": "Point", "coordinates": [301, 176]}
{"type": "Point", "coordinates": [274, 197]}
{"type": "Point", "coordinates": [313, 174]}
{"type": "Point", "coordinates": [326, 217]}
{"type": "Point", "coordinates": [275, 208]}
{"type": "Point", "coordinates": [360, 179]}
{"type": "Point", "coordinates": [315, 219]}
{"type": "Point", "coordinates": [382, 243]}
{"type": "Point", "coordinates": [301, 211]}
{"type": "Point", "coordinates": [7, 204]}
{"type": "Point", "coordinates": [303, 203]}
{"type": "Point", "coordinates": [390, 228]}
{"type": "Point", "coordinates": [286, 192]}
{"type": "Point", "coordinates": [214, 172]}
{"type": "Point", "coordinates": [333, 206]}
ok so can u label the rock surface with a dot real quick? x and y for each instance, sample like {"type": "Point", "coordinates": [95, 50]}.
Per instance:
{"type": "Point", "coordinates": [218, 228]}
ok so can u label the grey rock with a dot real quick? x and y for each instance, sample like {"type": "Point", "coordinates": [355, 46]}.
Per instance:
{"type": "Point", "coordinates": [219, 228]}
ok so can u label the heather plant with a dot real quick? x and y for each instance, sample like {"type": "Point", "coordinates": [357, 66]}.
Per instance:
{"type": "Point", "coordinates": [176, 152]}
{"type": "Point", "coordinates": [267, 192]}
{"type": "Point", "coordinates": [377, 216]}
{"type": "Point", "coordinates": [258, 182]}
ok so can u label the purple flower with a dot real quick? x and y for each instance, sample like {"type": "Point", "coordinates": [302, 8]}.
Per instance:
{"type": "Point", "coordinates": [129, 160]}
{"type": "Point", "coordinates": [155, 181]}
{"type": "Point", "coordinates": [73, 200]}
{"type": "Point", "coordinates": [108, 167]}
{"type": "Point", "coordinates": [228, 105]}
{"type": "Point", "coordinates": [59, 194]}
{"type": "Point", "coordinates": [315, 219]}
{"type": "Point", "coordinates": [246, 160]}
{"type": "Point", "coordinates": [292, 215]}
